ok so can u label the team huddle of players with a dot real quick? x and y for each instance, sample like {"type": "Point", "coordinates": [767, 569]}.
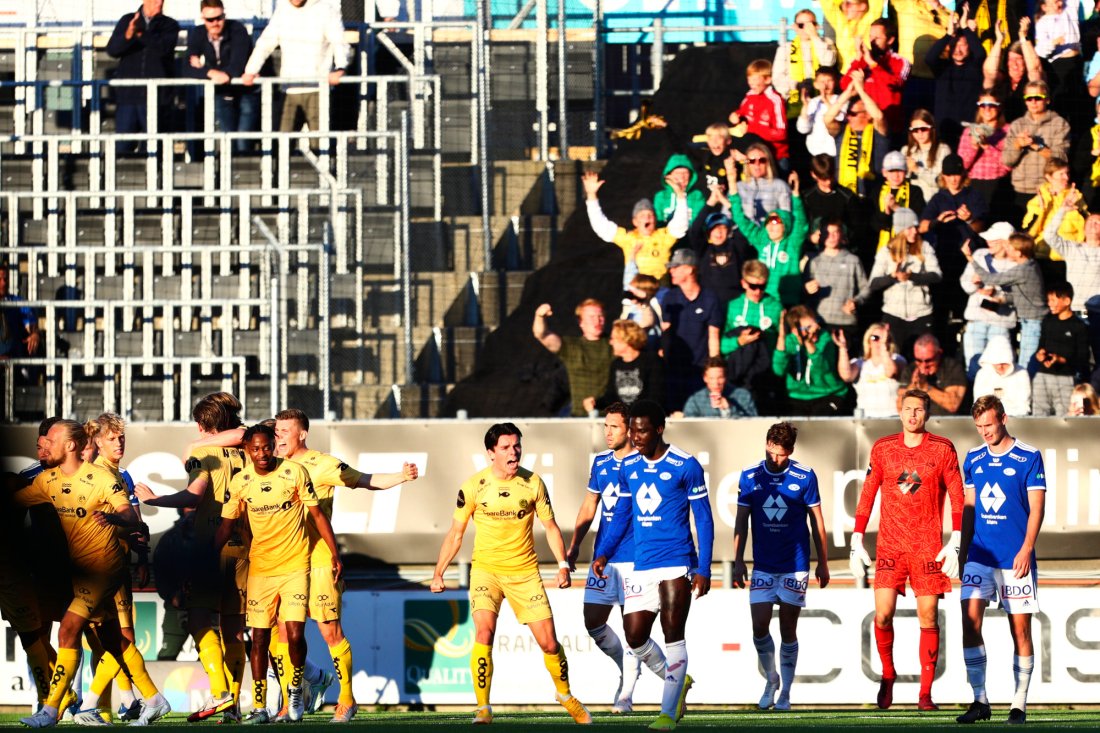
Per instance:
{"type": "Point", "coordinates": [261, 552]}
{"type": "Point", "coordinates": [647, 562]}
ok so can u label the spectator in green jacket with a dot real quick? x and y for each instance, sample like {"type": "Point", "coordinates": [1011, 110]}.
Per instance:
{"type": "Point", "coordinates": [679, 167]}
{"type": "Point", "coordinates": [778, 243]}
{"type": "Point", "coordinates": [806, 356]}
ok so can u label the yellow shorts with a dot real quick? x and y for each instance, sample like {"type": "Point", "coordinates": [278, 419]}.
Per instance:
{"type": "Point", "coordinates": [285, 596]}
{"type": "Point", "coordinates": [94, 594]}
{"type": "Point", "coordinates": [324, 594]}
{"type": "Point", "coordinates": [525, 593]}
{"type": "Point", "coordinates": [124, 602]}
{"type": "Point", "coordinates": [18, 601]}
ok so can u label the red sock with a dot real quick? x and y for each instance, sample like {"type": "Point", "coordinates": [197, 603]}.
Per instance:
{"type": "Point", "coordinates": [884, 638]}
{"type": "Point", "coordinates": [929, 657]}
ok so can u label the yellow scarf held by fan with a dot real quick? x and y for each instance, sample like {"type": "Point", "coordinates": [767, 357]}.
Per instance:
{"type": "Point", "coordinates": [855, 157]}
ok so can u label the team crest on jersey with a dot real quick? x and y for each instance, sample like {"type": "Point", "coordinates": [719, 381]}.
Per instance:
{"type": "Point", "coordinates": [908, 482]}
{"type": "Point", "coordinates": [775, 508]}
{"type": "Point", "coordinates": [462, 498]}
{"type": "Point", "coordinates": [522, 503]}
{"type": "Point", "coordinates": [287, 471]}
{"type": "Point", "coordinates": [992, 497]}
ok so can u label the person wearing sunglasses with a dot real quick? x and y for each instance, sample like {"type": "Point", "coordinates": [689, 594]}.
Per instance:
{"type": "Point", "coordinates": [924, 153]}
{"type": "Point", "coordinates": [956, 64]}
{"type": "Point", "coordinates": [799, 59]}
{"type": "Point", "coordinates": [861, 135]}
{"type": "Point", "coordinates": [217, 49]}
{"type": "Point", "coordinates": [748, 337]}
{"type": "Point", "coordinates": [1033, 139]}
{"type": "Point", "coordinates": [1021, 66]}
{"type": "Point", "coordinates": [941, 376]}
{"type": "Point", "coordinates": [144, 42]}
{"type": "Point", "coordinates": [981, 148]}
{"type": "Point", "coordinates": [873, 375]}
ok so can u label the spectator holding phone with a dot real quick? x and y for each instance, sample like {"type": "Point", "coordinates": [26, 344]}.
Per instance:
{"type": "Point", "coordinates": [1033, 139]}
{"type": "Point", "coordinates": [834, 276]}
{"type": "Point", "coordinates": [1063, 354]}
{"type": "Point", "coordinates": [874, 375]}
{"type": "Point", "coordinates": [806, 356]}
{"type": "Point", "coordinates": [718, 398]}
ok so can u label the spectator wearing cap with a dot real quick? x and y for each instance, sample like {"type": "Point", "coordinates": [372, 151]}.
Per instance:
{"type": "Point", "coordinates": [1000, 376]}
{"type": "Point", "coordinates": [762, 190]}
{"type": "Point", "coordinates": [955, 61]}
{"type": "Point", "coordinates": [981, 148]}
{"type": "Point", "coordinates": [778, 243]}
{"type": "Point", "coordinates": [951, 219]}
{"type": "Point", "coordinates": [721, 250]}
{"type": "Point", "coordinates": [834, 276]}
{"type": "Point", "coordinates": [903, 272]}
{"type": "Point", "coordinates": [861, 135]}
{"type": "Point", "coordinates": [806, 357]}
{"type": "Point", "coordinates": [692, 324]}
{"type": "Point", "coordinates": [1024, 285]}
{"type": "Point", "coordinates": [655, 243]}
{"type": "Point", "coordinates": [679, 175]}
{"type": "Point", "coordinates": [895, 192]}
{"type": "Point", "coordinates": [718, 398]}
{"type": "Point", "coordinates": [989, 310]}
{"type": "Point", "coordinates": [1033, 139]}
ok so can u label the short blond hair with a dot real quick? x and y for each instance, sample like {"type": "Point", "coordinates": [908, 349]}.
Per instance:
{"type": "Point", "coordinates": [759, 66]}
{"type": "Point", "coordinates": [630, 333]}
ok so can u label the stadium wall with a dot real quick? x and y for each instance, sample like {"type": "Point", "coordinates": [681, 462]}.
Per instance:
{"type": "Point", "coordinates": [405, 525]}
{"type": "Point", "coordinates": [413, 647]}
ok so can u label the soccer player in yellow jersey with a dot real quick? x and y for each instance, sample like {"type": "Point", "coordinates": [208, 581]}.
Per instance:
{"type": "Point", "coordinates": [214, 592]}
{"type": "Point", "coordinates": [327, 472]}
{"type": "Point", "coordinates": [503, 500]}
{"type": "Point", "coordinates": [91, 504]}
{"type": "Point", "coordinates": [276, 495]}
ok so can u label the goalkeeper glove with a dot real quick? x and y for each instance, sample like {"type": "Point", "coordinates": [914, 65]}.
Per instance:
{"type": "Point", "coordinates": [858, 559]}
{"type": "Point", "coordinates": [949, 555]}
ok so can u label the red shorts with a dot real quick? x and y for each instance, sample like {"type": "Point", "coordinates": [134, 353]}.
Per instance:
{"type": "Point", "coordinates": [924, 573]}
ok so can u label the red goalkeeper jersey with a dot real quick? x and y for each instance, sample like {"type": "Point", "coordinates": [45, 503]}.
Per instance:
{"type": "Point", "coordinates": [914, 482]}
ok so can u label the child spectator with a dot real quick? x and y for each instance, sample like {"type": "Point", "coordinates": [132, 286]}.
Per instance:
{"type": "Point", "coordinates": [718, 398]}
{"type": "Point", "coordinates": [924, 153]}
{"type": "Point", "coordinates": [903, 271]}
{"type": "Point", "coordinates": [1022, 66]}
{"type": "Point", "coordinates": [761, 191]}
{"type": "Point", "coordinates": [811, 116]}
{"type": "Point", "coordinates": [895, 192]}
{"type": "Point", "coordinates": [721, 255]}
{"type": "Point", "coordinates": [955, 61]}
{"type": "Point", "coordinates": [1049, 198]}
{"type": "Point", "coordinates": [861, 135]}
{"type": "Point", "coordinates": [764, 112]}
{"type": "Point", "coordinates": [834, 276]}
{"type": "Point", "coordinates": [807, 357]}
{"type": "Point", "coordinates": [750, 331]}
{"type": "Point", "coordinates": [800, 60]}
{"type": "Point", "coordinates": [1058, 42]}
{"type": "Point", "coordinates": [988, 310]}
{"type": "Point", "coordinates": [636, 373]}
{"type": "Point", "coordinates": [778, 243]}
{"type": "Point", "coordinates": [999, 376]}
{"type": "Point", "coordinates": [639, 303]}
{"type": "Point", "coordinates": [714, 160]}
{"type": "Point", "coordinates": [826, 200]}
{"type": "Point", "coordinates": [1024, 284]}
{"type": "Point", "coordinates": [1033, 139]}
{"type": "Point", "coordinates": [652, 257]}
{"type": "Point", "coordinates": [1084, 401]}
{"type": "Point", "coordinates": [874, 375]}
{"type": "Point", "coordinates": [981, 147]}
{"type": "Point", "coordinates": [679, 175]}
{"type": "Point", "coordinates": [1063, 354]}
{"type": "Point", "coordinates": [884, 71]}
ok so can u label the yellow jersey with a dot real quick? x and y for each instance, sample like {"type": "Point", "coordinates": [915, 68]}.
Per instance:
{"type": "Point", "coordinates": [76, 498]}
{"type": "Point", "coordinates": [218, 466]}
{"type": "Point", "coordinates": [504, 513]}
{"type": "Point", "coordinates": [276, 507]}
{"type": "Point", "coordinates": [327, 472]}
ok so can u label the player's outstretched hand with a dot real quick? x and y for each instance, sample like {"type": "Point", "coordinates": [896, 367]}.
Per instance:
{"type": "Point", "coordinates": [438, 586]}
{"type": "Point", "coordinates": [143, 493]}
{"type": "Point", "coordinates": [564, 579]}
{"type": "Point", "coordinates": [700, 586]}
{"type": "Point", "coordinates": [949, 555]}
{"type": "Point", "coordinates": [822, 574]}
{"type": "Point", "coordinates": [740, 574]}
{"type": "Point", "coordinates": [598, 566]}
{"type": "Point", "coordinates": [410, 472]}
{"type": "Point", "coordinates": [858, 559]}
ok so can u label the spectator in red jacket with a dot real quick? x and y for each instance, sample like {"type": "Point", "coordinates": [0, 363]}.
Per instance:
{"type": "Point", "coordinates": [764, 111]}
{"type": "Point", "coordinates": [884, 71]}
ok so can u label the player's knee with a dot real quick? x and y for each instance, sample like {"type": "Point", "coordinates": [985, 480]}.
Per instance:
{"type": "Point", "coordinates": [884, 620]}
{"type": "Point", "coordinates": [331, 632]}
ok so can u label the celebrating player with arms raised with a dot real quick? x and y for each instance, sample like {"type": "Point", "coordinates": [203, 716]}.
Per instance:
{"type": "Point", "coordinates": [915, 471]}
{"type": "Point", "coordinates": [1005, 493]}
{"type": "Point", "coordinates": [665, 484]}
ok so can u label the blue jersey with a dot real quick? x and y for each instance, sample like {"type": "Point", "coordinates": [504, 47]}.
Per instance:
{"type": "Point", "coordinates": [32, 470]}
{"type": "Point", "coordinates": [603, 480]}
{"type": "Point", "coordinates": [662, 493]}
{"type": "Point", "coordinates": [780, 503]}
{"type": "Point", "coordinates": [1001, 506]}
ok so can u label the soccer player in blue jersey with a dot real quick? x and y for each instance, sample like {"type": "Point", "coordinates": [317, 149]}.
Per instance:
{"type": "Point", "coordinates": [606, 493]}
{"type": "Point", "coordinates": [665, 484]}
{"type": "Point", "coordinates": [778, 494]}
{"type": "Point", "coordinates": [1005, 486]}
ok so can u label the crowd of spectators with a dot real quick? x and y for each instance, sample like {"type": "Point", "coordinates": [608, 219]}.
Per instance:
{"type": "Point", "coordinates": [899, 201]}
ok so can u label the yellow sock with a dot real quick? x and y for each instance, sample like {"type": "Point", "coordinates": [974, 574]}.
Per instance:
{"type": "Point", "coordinates": [341, 660]}
{"type": "Point", "coordinates": [559, 670]}
{"type": "Point", "coordinates": [123, 682]}
{"type": "Point", "coordinates": [210, 654]}
{"type": "Point", "coordinates": [481, 667]}
{"type": "Point", "coordinates": [259, 693]}
{"type": "Point", "coordinates": [235, 660]}
{"type": "Point", "coordinates": [107, 669]}
{"type": "Point", "coordinates": [63, 672]}
{"type": "Point", "coordinates": [140, 675]}
{"type": "Point", "coordinates": [282, 667]}
{"type": "Point", "coordinates": [38, 659]}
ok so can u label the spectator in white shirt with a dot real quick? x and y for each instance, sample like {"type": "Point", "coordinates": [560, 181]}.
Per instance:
{"type": "Point", "coordinates": [999, 375]}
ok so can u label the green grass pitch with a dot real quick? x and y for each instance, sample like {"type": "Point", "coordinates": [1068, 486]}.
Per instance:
{"type": "Point", "coordinates": [821, 721]}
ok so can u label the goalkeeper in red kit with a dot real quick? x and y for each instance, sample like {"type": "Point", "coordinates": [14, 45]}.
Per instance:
{"type": "Point", "coordinates": [914, 470]}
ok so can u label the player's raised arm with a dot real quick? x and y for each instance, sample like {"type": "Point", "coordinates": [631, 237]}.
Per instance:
{"type": "Point", "coordinates": [585, 515]}
{"type": "Point", "coordinates": [452, 543]}
{"type": "Point", "coordinates": [740, 539]}
{"type": "Point", "coordinates": [186, 499]}
{"type": "Point", "coordinates": [229, 438]}
{"type": "Point", "coordinates": [380, 481]}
